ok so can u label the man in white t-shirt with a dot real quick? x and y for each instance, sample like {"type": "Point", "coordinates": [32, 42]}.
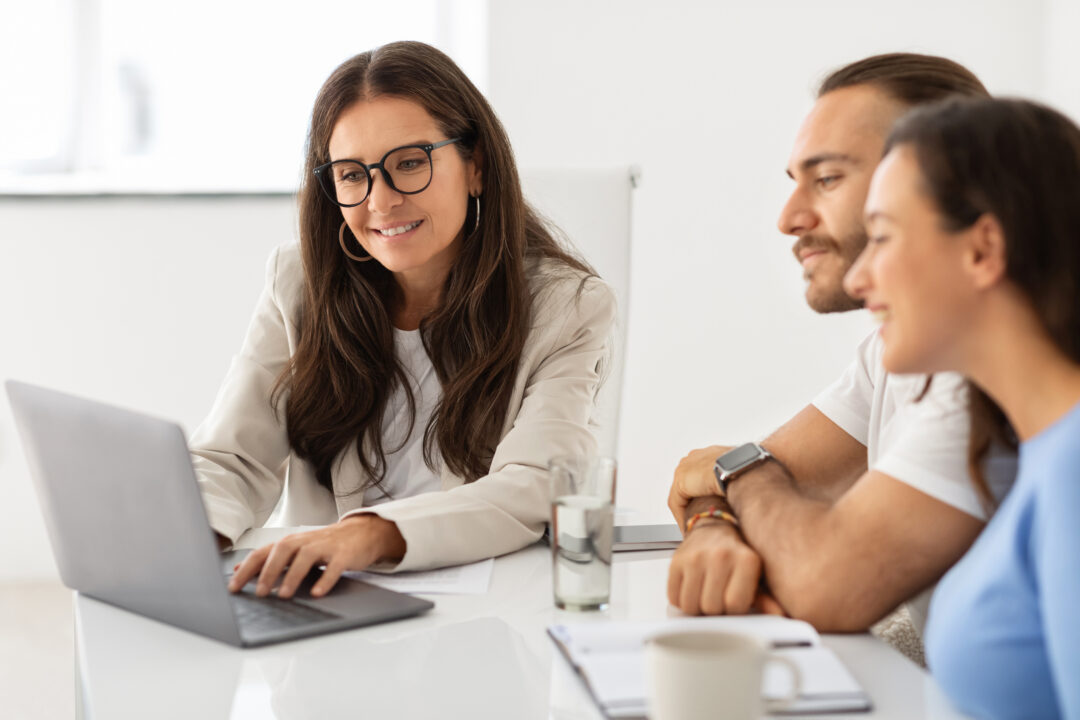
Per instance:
{"type": "Point", "coordinates": [863, 500]}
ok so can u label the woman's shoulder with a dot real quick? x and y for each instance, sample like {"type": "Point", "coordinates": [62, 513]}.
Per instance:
{"type": "Point", "coordinates": [1055, 447]}
{"type": "Point", "coordinates": [550, 277]}
{"type": "Point", "coordinates": [286, 264]}
{"type": "Point", "coordinates": [285, 278]}
{"type": "Point", "coordinates": [561, 292]}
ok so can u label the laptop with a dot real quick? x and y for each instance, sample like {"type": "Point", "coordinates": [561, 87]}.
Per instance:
{"type": "Point", "coordinates": [128, 527]}
{"type": "Point", "coordinates": [666, 536]}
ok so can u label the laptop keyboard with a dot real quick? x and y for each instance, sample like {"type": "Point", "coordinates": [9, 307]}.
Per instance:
{"type": "Point", "coordinates": [269, 613]}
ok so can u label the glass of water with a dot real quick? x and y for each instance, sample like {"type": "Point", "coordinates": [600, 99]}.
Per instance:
{"type": "Point", "coordinates": [582, 525]}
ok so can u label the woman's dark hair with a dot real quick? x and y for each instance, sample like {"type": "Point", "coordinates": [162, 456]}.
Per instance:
{"type": "Point", "coordinates": [1019, 162]}
{"type": "Point", "coordinates": [344, 370]}
{"type": "Point", "coordinates": [911, 78]}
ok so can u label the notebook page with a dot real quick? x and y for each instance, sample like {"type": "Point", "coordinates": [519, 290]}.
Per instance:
{"type": "Point", "coordinates": [585, 638]}
{"type": "Point", "coordinates": [610, 657]}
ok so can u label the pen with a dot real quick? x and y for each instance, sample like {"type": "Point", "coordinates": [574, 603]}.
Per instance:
{"type": "Point", "coordinates": [783, 644]}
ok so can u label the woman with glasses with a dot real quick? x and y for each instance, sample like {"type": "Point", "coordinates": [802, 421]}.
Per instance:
{"type": "Point", "coordinates": [415, 362]}
{"type": "Point", "coordinates": [972, 265]}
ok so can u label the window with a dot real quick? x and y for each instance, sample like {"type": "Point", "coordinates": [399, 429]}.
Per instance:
{"type": "Point", "coordinates": [200, 96]}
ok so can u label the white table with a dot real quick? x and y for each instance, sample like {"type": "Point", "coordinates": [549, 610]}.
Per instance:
{"type": "Point", "coordinates": [472, 657]}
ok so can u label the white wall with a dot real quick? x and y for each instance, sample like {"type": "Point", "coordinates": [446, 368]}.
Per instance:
{"type": "Point", "coordinates": [705, 97]}
{"type": "Point", "coordinates": [1061, 56]}
{"type": "Point", "coordinates": [136, 301]}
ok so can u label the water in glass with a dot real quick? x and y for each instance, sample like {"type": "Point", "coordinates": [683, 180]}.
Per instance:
{"type": "Point", "coordinates": [582, 535]}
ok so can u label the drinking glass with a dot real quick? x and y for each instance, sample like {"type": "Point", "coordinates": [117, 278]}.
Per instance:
{"type": "Point", "coordinates": [582, 525]}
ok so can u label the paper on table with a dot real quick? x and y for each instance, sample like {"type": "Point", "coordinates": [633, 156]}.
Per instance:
{"type": "Point", "coordinates": [610, 657]}
{"type": "Point", "coordinates": [472, 579]}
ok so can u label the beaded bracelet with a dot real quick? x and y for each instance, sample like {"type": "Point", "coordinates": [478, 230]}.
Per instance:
{"type": "Point", "coordinates": [712, 512]}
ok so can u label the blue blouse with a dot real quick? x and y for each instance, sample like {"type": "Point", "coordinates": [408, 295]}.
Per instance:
{"type": "Point", "coordinates": [1003, 637]}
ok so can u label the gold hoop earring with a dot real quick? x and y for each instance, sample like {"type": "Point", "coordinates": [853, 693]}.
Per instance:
{"type": "Point", "coordinates": [345, 248]}
{"type": "Point", "coordinates": [476, 219]}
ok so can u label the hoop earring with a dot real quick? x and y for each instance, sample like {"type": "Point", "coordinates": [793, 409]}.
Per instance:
{"type": "Point", "coordinates": [476, 219]}
{"type": "Point", "coordinates": [345, 247]}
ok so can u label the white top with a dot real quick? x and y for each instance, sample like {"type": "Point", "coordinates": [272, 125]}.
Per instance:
{"type": "Point", "coordinates": [406, 472]}
{"type": "Point", "coordinates": [923, 444]}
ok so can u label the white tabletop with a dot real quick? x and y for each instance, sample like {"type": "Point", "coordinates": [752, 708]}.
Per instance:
{"type": "Point", "coordinates": [472, 656]}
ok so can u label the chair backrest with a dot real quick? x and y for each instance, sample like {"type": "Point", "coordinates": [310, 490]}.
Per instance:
{"type": "Point", "coordinates": [593, 207]}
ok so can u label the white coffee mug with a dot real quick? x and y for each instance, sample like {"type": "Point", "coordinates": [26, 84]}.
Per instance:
{"type": "Point", "coordinates": [711, 674]}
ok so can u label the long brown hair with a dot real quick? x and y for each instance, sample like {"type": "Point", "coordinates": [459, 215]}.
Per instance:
{"type": "Point", "coordinates": [1020, 162]}
{"type": "Point", "coordinates": [344, 370]}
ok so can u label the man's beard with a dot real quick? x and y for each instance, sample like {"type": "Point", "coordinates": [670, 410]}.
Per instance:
{"type": "Point", "coordinates": [832, 298]}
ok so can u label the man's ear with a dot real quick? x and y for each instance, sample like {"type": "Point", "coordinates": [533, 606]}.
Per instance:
{"type": "Point", "coordinates": [985, 259]}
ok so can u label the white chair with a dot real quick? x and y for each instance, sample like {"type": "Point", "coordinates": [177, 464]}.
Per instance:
{"type": "Point", "coordinates": [593, 207]}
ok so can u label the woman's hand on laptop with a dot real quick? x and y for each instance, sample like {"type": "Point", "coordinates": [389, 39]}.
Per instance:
{"type": "Point", "coordinates": [353, 543]}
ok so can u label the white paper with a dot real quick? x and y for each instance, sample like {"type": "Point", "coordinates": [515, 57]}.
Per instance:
{"type": "Point", "coordinates": [472, 579]}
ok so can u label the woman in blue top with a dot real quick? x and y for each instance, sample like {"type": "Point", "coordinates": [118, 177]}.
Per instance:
{"type": "Point", "coordinates": [972, 265]}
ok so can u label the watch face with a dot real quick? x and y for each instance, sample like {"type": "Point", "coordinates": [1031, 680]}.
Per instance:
{"type": "Point", "coordinates": [735, 459]}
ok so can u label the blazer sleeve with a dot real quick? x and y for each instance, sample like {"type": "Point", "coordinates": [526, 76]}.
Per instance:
{"type": "Point", "coordinates": [240, 451]}
{"type": "Point", "coordinates": [506, 509]}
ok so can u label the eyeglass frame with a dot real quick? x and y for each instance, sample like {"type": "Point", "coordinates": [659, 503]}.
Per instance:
{"type": "Point", "coordinates": [383, 173]}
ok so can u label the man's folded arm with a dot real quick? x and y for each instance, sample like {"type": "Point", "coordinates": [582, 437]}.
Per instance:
{"type": "Point", "coordinates": [841, 546]}
{"type": "Point", "coordinates": [822, 459]}
{"type": "Point", "coordinates": [829, 460]}
{"type": "Point", "coordinates": [843, 566]}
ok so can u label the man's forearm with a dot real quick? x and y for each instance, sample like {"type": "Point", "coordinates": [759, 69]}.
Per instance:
{"type": "Point", "coordinates": [791, 532]}
{"type": "Point", "coordinates": [822, 460]}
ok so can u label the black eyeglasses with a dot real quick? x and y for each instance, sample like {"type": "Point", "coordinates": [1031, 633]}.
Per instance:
{"type": "Point", "coordinates": [406, 169]}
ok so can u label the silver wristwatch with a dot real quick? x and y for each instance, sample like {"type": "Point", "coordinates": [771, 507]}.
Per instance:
{"type": "Point", "coordinates": [737, 461]}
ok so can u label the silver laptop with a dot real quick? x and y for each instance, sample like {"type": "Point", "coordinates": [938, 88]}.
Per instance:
{"type": "Point", "coordinates": [128, 527]}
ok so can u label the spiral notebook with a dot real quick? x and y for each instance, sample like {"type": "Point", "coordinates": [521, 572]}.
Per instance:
{"type": "Point", "coordinates": [610, 659]}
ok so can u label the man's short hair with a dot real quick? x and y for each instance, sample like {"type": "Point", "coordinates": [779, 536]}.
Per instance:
{"type": "Point", "coordinates": [911, 78]}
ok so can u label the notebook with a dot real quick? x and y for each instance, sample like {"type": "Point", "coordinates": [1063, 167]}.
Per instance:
{"type": "Point", "coordinates": [610, 658]}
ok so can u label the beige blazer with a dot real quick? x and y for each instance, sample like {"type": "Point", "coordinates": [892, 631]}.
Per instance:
{"type": "Point", "coordinates": [242, 456]}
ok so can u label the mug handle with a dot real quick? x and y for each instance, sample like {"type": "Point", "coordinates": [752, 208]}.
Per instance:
{"type": "Point", "coordinates": [774, 704]}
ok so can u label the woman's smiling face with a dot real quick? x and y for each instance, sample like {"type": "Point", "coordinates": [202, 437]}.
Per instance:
{"type": "Point", "coordinates": [417, 235]}
{"type": "Point", "coordinates": [911, 276]}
